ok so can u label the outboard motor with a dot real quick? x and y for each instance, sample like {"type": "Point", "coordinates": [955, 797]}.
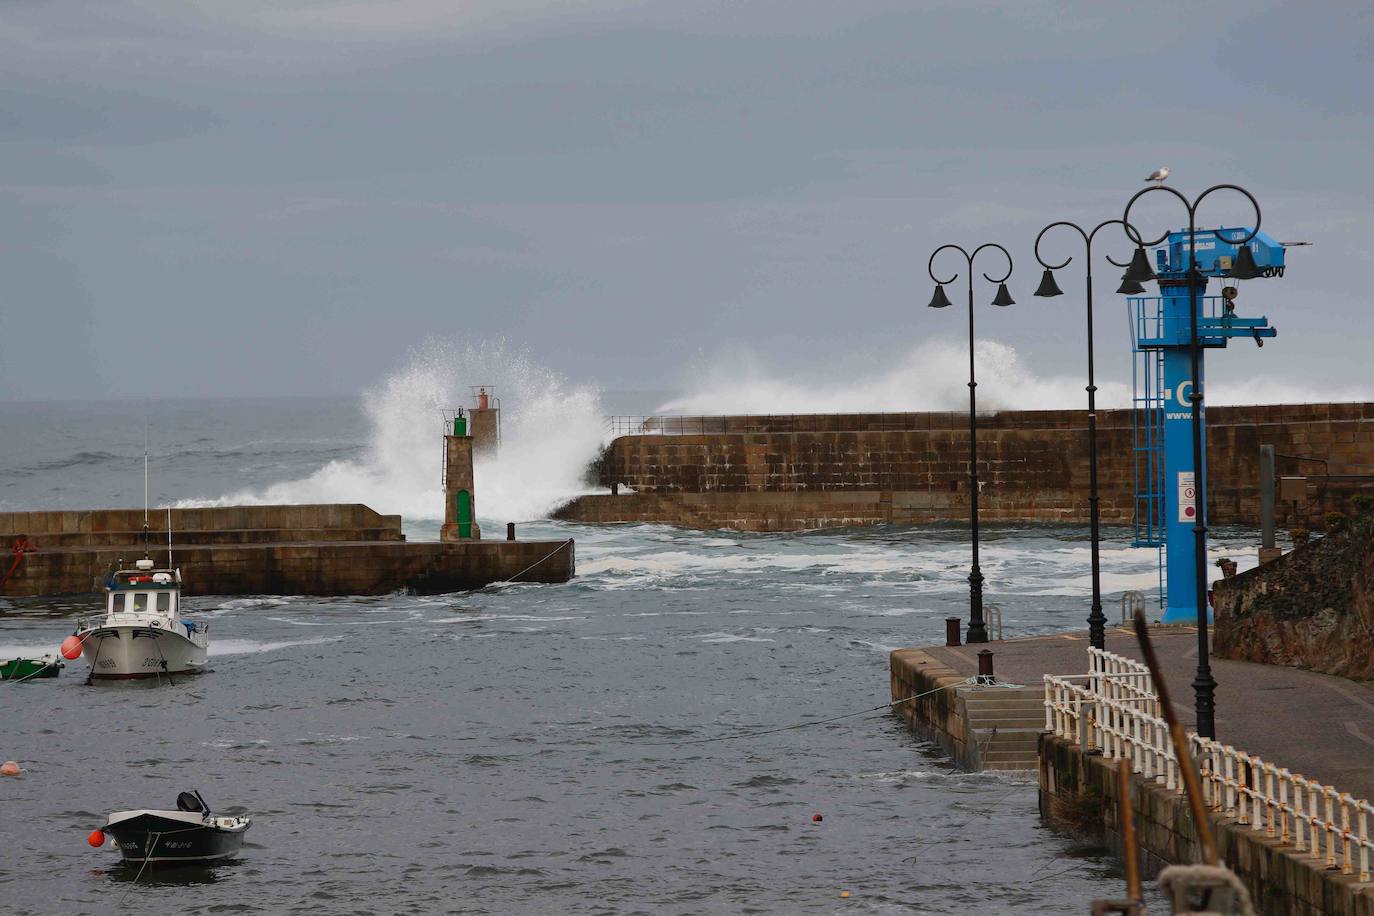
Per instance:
{"type": "Point", "coordinates": [192, 802]}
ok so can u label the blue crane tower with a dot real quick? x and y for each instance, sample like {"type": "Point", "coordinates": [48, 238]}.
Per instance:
{"type": "Point", "coordinates": [1166, 503]}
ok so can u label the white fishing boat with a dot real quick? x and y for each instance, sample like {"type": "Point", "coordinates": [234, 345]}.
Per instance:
{"type": "Point", "coordinates": [142, 633]}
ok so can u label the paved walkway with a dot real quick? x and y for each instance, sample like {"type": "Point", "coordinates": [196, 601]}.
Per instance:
{"type": "Point", "coordinates": [1314, 724]}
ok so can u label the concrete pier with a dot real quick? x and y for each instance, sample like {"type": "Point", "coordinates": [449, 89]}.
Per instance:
{"type": "Point", "coordinates": [1314, 724]}
{"type": "Point", "coordinates": [266, 550]}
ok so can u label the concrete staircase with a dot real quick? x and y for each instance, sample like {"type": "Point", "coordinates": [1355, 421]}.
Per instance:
{"type": "Point", "coordinates": [1005, 723]}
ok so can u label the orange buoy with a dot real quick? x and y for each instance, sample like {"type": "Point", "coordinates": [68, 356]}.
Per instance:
{"type": "Point", "coordinates": [844, 895]}
{"type": "Point", "coordinates": [96, 838]}
{"type": "Point", "coordinates": [9, 768]}
{"type": "Point", "coordinates": [71, 647]}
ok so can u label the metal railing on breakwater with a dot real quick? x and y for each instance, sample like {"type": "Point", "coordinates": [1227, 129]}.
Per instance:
{"type": "Point", "coordinates": [674, 425]}
{"type": "Point", "coordinates": [1114, 709]}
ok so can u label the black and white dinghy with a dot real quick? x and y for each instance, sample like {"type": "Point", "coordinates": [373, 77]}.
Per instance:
{"type": "Point", "coordinates": [189, 835]}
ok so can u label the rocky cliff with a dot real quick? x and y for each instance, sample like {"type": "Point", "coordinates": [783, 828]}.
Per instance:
{"type": "Point", "coordinates": [1312, 608]}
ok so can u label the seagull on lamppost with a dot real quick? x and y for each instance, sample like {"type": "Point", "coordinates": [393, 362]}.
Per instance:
{"type": "Point", "coordinates": [1158, 175]}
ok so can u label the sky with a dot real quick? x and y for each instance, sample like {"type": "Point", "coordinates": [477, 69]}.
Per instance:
{"type": "Point", "coordinates": [285, 197]}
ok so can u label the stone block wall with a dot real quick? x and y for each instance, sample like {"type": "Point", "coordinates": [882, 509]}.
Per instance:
{"type": "Point", "coordinates": [1033, 466]}
{"type": "Point", "coordinates": [1079, 791]}
{"type": "Point", "coordinates": [108, 524]}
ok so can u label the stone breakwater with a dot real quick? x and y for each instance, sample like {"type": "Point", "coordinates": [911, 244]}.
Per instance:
{"type": "Point", "coordinates": [335, 549]}
{"type": "Point", "coordinates": [830, 470]}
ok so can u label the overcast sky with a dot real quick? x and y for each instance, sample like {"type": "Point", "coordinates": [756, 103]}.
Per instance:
{"type": "Point", "coordinates": [257, 197]}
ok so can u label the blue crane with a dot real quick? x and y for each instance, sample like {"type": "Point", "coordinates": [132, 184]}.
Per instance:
{"type": "Point", "coordinates": [1166, 504]}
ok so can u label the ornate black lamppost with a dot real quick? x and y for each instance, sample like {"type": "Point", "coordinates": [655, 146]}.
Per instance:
{"type": "Point", "coordinates": [977, 628]}
{"type": "Point", "coordinates": [1097, 621]}
{"type": "Point", "coordinates": [1204, 685]}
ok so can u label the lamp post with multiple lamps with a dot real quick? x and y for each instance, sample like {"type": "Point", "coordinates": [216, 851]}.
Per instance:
{"type": "Point", "coordinates": [1139, 271]}
{"type": "Point", "coordinates": [1097, 621]}
{"type": "Point", "coordinates": [977, 628]}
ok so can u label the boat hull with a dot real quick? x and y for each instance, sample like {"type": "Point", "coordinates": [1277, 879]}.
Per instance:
{"type": "Point", "coordinates": [161, 840]}
{"type": "Point", "coordinates": [140, 652]}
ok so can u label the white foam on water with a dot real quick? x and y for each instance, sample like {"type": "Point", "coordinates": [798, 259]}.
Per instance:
{"type": "Point", "coordinates": [550, 430]}
{"type": "Point", "coordinates": [728, 637]}
{"type": "Point", "coordinates": [252, 647]}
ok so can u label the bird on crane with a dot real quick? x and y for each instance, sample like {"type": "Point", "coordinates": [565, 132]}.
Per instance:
{"type": "Point", "coordinates": [1158, 175]}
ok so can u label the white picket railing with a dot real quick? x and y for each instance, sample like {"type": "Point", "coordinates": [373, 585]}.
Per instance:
{"type": "Point", "coordinates": [1114, 709]}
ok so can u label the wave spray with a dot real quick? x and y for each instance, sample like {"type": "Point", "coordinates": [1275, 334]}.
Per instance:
{"type": "Point", "coordinates": [550, 431]}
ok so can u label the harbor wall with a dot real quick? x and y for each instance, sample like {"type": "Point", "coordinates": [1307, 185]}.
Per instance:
{"type": "Point", "coordinates": [1079, 791]}
{"type": "Point", "coordinates": [343, 568]}
{"type": "Point", "coordinates": [68, 527]}
{"type": "Point", "coordinates": [345, 549]}
{"type": "Point", "coordinates": [830, 470]}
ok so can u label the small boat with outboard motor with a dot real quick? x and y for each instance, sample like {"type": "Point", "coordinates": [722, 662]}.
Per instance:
{"type": "Point", "coordinates": [23, 669]}
{"type": "Point", "coordinates": [142, 633]}
{"type": "Point", "coordinates": [192, 834]}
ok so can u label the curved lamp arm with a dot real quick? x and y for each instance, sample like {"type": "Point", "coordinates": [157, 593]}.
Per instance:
{"type": "Point", "coordinates": [1131, 233]}
{"type": "Point", "coordinates": [930, 265]}
{"type": "Point", "coordinates": [1192, 213]}
{"type": "Point", "coordinates": [1088, 237]}
{"type": "Point", "coordinates": [1126, 216]}
{"type": "Point", "coordinates": [1254, 203]}
{"type": "Point", "coordinates": [1005, 253]}
{"type": "Point", "coordinates": [1087, 240]}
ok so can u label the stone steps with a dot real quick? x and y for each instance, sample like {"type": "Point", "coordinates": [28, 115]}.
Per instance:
{"type": "Point", "coordinates": [1005, 724]}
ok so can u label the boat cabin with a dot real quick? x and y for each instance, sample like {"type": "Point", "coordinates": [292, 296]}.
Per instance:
{"type": "Point", "coordinates": [144, 591]}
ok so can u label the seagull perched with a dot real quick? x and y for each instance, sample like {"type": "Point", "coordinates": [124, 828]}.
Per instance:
{"type": "Point", "coordinates": [1158, 175]}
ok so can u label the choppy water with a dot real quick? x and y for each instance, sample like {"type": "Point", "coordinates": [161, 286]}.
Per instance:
{"type": "Point", "coordinates": [533, 749]}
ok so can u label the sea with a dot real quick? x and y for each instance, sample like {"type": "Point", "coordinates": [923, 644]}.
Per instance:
{"type": "Point", "coordinates": [694, 724]}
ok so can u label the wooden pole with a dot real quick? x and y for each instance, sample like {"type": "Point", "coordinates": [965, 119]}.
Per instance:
{"type": "Point", "coordinates": [1128, 839]}
{"type": "Point", "coordinates": [1191, 783]}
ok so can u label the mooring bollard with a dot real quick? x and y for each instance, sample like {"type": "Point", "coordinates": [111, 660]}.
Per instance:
{"type": "Point", "coordinates": [510, 531]}
{"type": "Point", "coordinates": [952, 631]}
{"type": "Point", "coordinates": [985, 675]}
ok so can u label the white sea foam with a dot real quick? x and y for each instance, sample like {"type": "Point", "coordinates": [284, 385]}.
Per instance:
{"type": "Point", "coordinates": [728, 637]}
{"type": "Point", "coordinates": [252, 647]}
{"type": "Point", "coordinates": [550, 430]}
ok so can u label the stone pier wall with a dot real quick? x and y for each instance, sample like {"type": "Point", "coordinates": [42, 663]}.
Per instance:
{"type": "Point", "coordinates": [265, 550]}
{"type": "Point", "coordinates": [784, 473]}
{"type": "Point", "coordinates": [1079, 791]}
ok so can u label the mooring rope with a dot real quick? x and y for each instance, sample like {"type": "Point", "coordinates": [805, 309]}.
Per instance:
{"type": "Point", "coordinates": [45, 667]}
{"type": "Point", "coordinates": [147, 856]}
{"type": "Point", "coordinates": [537, 562]}
{"type": "Point", "coordinates": [157, 645]}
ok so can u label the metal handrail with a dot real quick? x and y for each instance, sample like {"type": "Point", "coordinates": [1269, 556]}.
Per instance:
{"type": "Point", "coordinates": [1109, 710]}
{"type": "Point", "coordinates": [696, 425]}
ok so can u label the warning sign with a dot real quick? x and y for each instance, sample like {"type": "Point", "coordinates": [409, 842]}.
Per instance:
{"type": "Point", "coordinates": [1187, 497]}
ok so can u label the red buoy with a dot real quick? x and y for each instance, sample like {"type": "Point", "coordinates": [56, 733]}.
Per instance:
{"type": "Point", "coordinates": [71, 647]}
{"type": "Point", "coordinates": [96, 838]}
{"type": "Point", "coordinates": [816, 818]}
